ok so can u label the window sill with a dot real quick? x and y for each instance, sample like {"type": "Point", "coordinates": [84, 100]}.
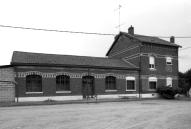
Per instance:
{"type": "Point", "coordinates": [130, 90]}
{"type": "Point", "coordinates": [152, 69]}
{"type": "Point", "coordinates": [152, 89]}
{"type": "Point", "coordinates": [63, 91]}
{"type": "Point", "coordinates": [110, 90]}
{"type": "Point", "coordinates": [33, 92]}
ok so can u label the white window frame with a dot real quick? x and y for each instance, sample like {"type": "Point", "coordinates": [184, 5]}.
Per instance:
{"type": "Point", "coordinates": [169, 60]}
{"type": "Point", "coordinates": [64, 91]}
{"type": "Point", "coordinates": [130, 78]}
{"type": "Point", "coordinates": [152, 79]}
{"type": "Point", "coordinates": [33, 92]}
{"type": "Point", "coordinates": [167, 81]}
{"type": "Point", "coordinates": [151, 62]}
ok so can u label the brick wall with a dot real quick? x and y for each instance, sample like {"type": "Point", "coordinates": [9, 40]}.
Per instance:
{"type": "Point", "coordinates": [49, 80]}
{"type": "Point", "coordinates": [160, 52]}
{"type": "Point", "coordinates": [162, 70]}
{"type": "Point", "coordinates": [125, 48]}
{"type": "Point", "coordinates": [7, 85]}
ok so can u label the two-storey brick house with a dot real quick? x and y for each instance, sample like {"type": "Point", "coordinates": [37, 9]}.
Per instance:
{"type": "Point", "coordinates": [157, 59]}
{"type": "Point", "coordinates": [135, 66]}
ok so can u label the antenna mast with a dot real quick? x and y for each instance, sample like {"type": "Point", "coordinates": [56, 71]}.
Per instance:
{"type": "Point", "coordinates": [119, 16]}
{"type": "Point", "coordinates": [119, 24]}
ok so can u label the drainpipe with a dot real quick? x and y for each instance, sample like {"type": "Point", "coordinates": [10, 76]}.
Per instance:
{"type": "Point", "coordinates": [88, 85]}
{"type": "Point", "coordinates": [16, 85]}
{"type": "Point", "coordinates": [140, 81]}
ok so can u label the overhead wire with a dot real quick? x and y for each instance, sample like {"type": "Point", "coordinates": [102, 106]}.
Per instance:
{"type": "Point", "coordinates": [77, 32]}
{"type": "Point", "coordinates": [55, 30]}
{"type": "Point", "coordinates": [81, 32]}
{"type": "Point", "coordinates": [185, 48]}
{"type": "Point", "coordinates": [174, 36]}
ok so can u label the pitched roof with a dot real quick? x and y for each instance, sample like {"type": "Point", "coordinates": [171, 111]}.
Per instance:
{"type": "Point", "coordinates": [152, 39]}
{"type": "Point", "coordinates": [145, 39]}
{"type": "Point", "coordinates": [28, 58]}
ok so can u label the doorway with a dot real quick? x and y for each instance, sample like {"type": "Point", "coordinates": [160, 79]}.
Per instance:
{"type": "Point", "coordinates": [88, 89]}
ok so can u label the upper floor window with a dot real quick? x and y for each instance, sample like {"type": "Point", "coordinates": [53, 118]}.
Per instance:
{"type": "Point", "coordinates": [62, 83]}
{"type": "Point", "coordinates": [152, 62]}
{"type": "Point", "coordinates": [130, 83]}
{"type": "Point", "coordinates": [33, 83]}
{"type": "Point", "coordinates": [110, 83]}
{"type": "Point", "coordinates": [168, 60]}
{"type": "Point", "coordinates": [169, 81]}
{"type": "Point", "coordinates": [152, 83]}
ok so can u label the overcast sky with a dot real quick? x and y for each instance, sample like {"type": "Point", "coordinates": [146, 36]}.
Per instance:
{"type": "Point", "coordinates": [149, 17]}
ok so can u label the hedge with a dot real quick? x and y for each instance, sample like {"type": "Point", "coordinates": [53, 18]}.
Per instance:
{"type": "Point", "coordinates": [168, 92]}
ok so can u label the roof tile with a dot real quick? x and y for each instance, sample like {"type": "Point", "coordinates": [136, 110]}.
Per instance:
{"type": "Point", "coordinates": [54, 59]}
{"type": "Point", "coordinates": [152, 39]}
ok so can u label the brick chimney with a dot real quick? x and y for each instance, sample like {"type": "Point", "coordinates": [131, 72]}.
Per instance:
{"type": "Point", "coordinates": [131, 30]}
{"type": "Point", "coordinates": [172, 39]}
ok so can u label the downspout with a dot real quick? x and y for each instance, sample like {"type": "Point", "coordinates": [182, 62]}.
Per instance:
{"type": "Point", "coordinates": [140, 81]}
{"type": "Point", "coordinates": [16, 85]}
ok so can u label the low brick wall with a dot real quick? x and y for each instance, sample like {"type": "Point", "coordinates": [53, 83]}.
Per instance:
{"type": "Point", "coordinates": [7, 92]}
{"type": "Point", "coordinates": [7, 85]}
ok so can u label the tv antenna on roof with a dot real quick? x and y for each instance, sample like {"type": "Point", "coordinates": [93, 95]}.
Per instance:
{"type": "Point", "coordinates": [119, 17]}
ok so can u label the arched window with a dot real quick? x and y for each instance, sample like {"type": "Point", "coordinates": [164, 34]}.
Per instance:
{"type": "Point", "coordinates": [62, 83]}
{"type": "Point", "coordinates": [33, 83]}
{"type": "Point", "coordinates": [110, 83]}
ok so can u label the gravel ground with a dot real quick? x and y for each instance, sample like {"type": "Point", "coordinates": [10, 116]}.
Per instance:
{"type": "Point", "coordinates": [146, 114]}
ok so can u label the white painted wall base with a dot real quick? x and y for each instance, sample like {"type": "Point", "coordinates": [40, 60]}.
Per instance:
{"type": "Point", "coordinates": [113, 96]}
{"type": "Point", "coordinates": [79, 97]}
{"type": "Point", "coordinates": [151, 95]}
{"type": "Point", "coordinates": [56, 98]}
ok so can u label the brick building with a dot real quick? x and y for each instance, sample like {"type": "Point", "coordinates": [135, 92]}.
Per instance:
{"type": "Point", "coordinates": [135, 66]}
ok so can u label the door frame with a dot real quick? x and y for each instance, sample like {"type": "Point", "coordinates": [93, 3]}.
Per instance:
{"type": "Point", "coordinates": [88, 86]}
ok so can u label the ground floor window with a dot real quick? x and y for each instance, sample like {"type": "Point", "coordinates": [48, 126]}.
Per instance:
{"type": "Point", "coordinates": [152, 83]}
{"type": "Point", "coordinates": [110, 83]}
{"type": "Point", "coordinates": [130, 83]}
{"type": "Point", "coordinates": [33, 83]}
{"type": "Point", "coordinates": [62, 83]}
{"type": "Point", "coordinates": [169, 81]}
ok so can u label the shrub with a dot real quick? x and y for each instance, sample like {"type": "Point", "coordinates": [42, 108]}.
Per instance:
{"type": "Point", "coordinates": [184, 81]}
{"type": "Point", "coordinates": [168, 92]}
